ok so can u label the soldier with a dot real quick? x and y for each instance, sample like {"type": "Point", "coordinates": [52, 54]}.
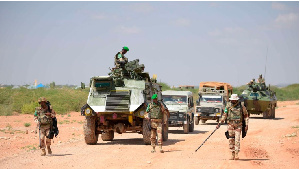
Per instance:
{"type": "Point", "coordinates": [155, 112]}
{"type": "Point", "coordinates": [120, 59]}
{"type": "Point", "coordinates": [43, 115]}
{"type": "Point", "coordinates": [260, 79]}
{"type": "Point", "coordinates": [234, 112]}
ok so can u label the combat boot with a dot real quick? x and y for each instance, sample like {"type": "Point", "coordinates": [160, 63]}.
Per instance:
{"type": "Point", "coordinates": [237, 155]}
{"type": "Point", "coordinates": [161, 150]}
{"type": "Point", "coordinates": [232, 156]}
{"type": "Point", "coordinates": [153, 150]}
{"type": "Point", "coordinates": [43, 153]}
{"type": "Point", "coordinates": [49, 150]}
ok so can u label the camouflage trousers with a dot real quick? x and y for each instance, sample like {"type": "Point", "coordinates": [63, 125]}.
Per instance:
{"type": "Point", "coordinates": [156, 127]}
{"type": "Point", "coordinates": [43, 136]}
{"type": "Point", "coordinates": [234, 130]}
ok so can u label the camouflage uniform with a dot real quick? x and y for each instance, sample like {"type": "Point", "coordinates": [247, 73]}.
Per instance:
{"type": "Point", "coordinates": [120, 57]}
{"type": "Point", "coordinates": [156, 115]}
{"type": "Point", "coordinates": [233, 114]}
{"type": "Point", "coordinates": [44, 118]}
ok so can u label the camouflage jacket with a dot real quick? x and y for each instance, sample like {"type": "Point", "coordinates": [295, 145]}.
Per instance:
{"type": "Point", "coordinates": [40, 112]}
{"type": "Point", "coordinates": [230, 110]}
{"type": "Point", "coordinates": [120, 57]}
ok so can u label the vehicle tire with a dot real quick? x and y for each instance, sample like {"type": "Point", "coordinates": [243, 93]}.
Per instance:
{"type": "Point", "coordinates": [89, 130]}
{"type": "Point", "coordinates": [273, 112]}
{"type": "Point", "coordinates": [197, 120]}
{"type": "Point", "coordinates": [267, 114]}
{"type": "Point", "coordinates": [146, 132]}
{"type": "Point", "coordinates": [108, 135]}
{"type": "Point", "coordinates": [191, 127]}
{"type": "Point", "coordinates": [165, 132]}
{"type": "Point", "coordinates": [203, 121]}
{"type": "Point", "coordinates": [186, 126]}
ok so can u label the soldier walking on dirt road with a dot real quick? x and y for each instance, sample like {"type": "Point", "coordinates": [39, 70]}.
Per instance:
{"type": "Point", "coordinates": [154, 112]}
{"type": "Point", "coordinates": [235, 112]}
{"type": "Point", "coordinates": [43, 116]}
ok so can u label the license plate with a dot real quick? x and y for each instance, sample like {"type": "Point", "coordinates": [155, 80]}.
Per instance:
{"type": "Point", "coordinates": [218, 114]}
{"type": "Point", "coordinates": [173, 117]}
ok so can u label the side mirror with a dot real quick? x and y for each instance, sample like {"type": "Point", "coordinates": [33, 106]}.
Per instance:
{"type": "Point", "coordinates": [82, 85]}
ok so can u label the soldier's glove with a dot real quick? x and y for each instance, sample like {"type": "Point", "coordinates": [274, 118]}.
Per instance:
{"type": "Point", "coordinates": [246, 128]}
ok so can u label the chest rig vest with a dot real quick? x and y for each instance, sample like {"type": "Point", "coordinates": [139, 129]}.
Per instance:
{"type": "Point", "coordinates": [235, 113]}
{"type": "Point", "coordinates": [155, 112]}
{"type": "Point", "coordinates": [42, 117]}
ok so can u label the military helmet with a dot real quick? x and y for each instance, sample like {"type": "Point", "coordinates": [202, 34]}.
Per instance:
{"type": "Point", "coordinates": [126, 48]}
{"type": "Point", "coordinates": [141, 66]}
{"type": "Point", "coordinates": [260, 75]}
{"type": "Point", "coordinates": [234, 97]}
{"type": "Point", "coordinates": [42, 99]}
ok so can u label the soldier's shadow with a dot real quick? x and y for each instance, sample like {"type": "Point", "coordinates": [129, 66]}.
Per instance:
{"type": "Point", "coordinates": [254, 159]}
{"type": "Point", "coordinates": [278, 118]}
{"type": "Point", "coordinates": [135, 141]}
{"type": "Point", "coordinates": [60, 155]}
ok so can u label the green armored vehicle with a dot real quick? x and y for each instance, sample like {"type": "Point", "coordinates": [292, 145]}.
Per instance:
{"type": "Point", "coordinates": [117, 103]}
{"type": "Point", "coordinates": [260, 99]}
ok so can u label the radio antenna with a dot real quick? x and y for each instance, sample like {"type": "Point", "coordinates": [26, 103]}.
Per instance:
{"type": "Point", "coordinates": [266, 64]}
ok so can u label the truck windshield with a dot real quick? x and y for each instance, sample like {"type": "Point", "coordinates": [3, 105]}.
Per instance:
{"type": "Point", "coordinates": [169, 99]}
{"type": "Point", "coordinates": [211, 99]}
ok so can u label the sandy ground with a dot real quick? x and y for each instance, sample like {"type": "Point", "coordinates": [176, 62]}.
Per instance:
{"type": "Point", "coordinates": [268, 144]}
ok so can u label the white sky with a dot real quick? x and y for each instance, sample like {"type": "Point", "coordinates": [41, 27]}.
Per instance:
{"type": "Point", "coordinates": [184, 43]}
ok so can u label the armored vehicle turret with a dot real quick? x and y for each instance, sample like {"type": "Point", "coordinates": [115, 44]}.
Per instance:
{"type": "Point", "coordinates": [260, 99]}
{"type": "Point", "coordinates": [117, 103]}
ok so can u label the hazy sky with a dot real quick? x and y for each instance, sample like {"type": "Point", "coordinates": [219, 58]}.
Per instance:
{"type": "Point", "coordinates": [184, 43]}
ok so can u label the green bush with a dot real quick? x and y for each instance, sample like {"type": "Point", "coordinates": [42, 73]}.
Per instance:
{"type": "Point", "coordinates": [27, 124]}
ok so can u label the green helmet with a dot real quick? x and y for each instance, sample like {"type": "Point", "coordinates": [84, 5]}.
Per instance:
{"type": "Point", "coordinates": [126, 48]}
{"type": "Point", "coordinates": [154, 96]}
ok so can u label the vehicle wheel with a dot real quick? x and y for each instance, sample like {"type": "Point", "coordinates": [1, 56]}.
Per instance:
{"type": "Point", "coordinates": [108, 135]}
{"type": "Point", "coordinates": [273, 112]}
{"type": "Point", "coordinates": [191, 127]}
{"type": "Point", "coordinates": [165, 132]}
{"type": "Point", "coordinates": [186, 126]}
{"type": "Point", "coordinates": [203, 121]}
{"type": "Point", "coordinates": [146, 131]}
{"type": "Point", "coordinates": [89, 129]}
{"type": "Point", "coordinates": [196, 120]}
{"type": "Point", "coordinates": [267, 114]}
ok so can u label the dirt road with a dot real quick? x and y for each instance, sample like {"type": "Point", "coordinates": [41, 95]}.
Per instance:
{"type": "Point", "coordinates": [269, 144]}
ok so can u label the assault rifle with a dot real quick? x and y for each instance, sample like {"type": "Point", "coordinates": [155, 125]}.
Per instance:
{"type": "Point", "coordinates": [53, 125]}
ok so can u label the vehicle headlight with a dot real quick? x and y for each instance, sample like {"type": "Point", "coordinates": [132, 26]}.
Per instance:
{"type": "Point", "coordinates": [88, 112]}
{"type": "Point", "coordinates": [198, 109]}
{"type": "Point", "coordinates": [217, 110]}
{"type": "Point", "coordinates": [142, 113]}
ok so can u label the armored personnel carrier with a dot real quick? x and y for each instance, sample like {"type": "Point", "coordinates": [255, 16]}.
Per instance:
{"type": "Point", "coordinates": [260, 99]}
{"type": "Point", "coordinates": [117, 103]}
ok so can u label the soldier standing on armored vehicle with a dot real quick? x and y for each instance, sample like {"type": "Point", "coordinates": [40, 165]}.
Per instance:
{"type": "Point", "coordinates": [235, 113]}
{"type": "Point", "coordinates": [43, 115]}
{"type": "Point", "coordinates": [154, 112]}
{"type": "Point", "coordinates": [120, 59]}
{"type": "Point", "coordinates": [260, 79]}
